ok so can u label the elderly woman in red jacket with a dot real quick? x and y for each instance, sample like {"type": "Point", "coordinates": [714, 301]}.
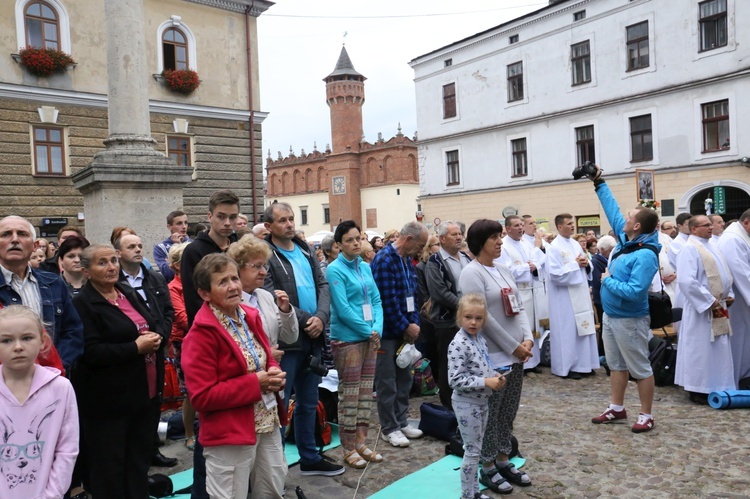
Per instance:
{"type": "Point", "coordinates": [234, 384]}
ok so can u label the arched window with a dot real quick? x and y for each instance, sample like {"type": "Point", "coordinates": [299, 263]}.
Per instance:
{"type": "Point", "coordinates": [42, 26]}
{"type": "Point", "coordinates": [174, 49]}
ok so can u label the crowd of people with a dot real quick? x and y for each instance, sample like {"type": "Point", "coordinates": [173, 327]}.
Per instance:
{"type": "Point", "coordinates": [247, 315]}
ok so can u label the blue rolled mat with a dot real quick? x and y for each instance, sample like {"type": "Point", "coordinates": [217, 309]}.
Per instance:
{"type": "Point", "coordinates": [729, 399]}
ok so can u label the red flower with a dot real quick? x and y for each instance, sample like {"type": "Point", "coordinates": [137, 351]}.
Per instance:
{"type": "Point", "coordinates": [184, 81]}
{"type": "Point", "coordinates": [44, 62]}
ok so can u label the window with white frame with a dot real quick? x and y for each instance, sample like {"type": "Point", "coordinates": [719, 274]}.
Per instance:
{"type": "Point", "coordinates": [637, 46]}
{"type": "Point", "coordinates": [641, 139]}
{"type": "Point", "coordinates": [326, 214]}
{"type": "Point", "coordinates": [585, 147]}
{"type": "Point", "coordinates": [303, 215]}
{"type": "Point", "coordinates": [449, 101]}
{"type": "Point", "coordinates": [519, 158]}
{"type": "Point", "coordinates": [515, 81]}
{"type": "Point", "coordinates": [713, 24]}
{"type": "Point", "coordinates": [49, 150]}
{"type": "Point", "coordinates": [42, 24]}
{"type": "Point", "coordinates": [580, 59]}
{"type": "Point", "coordinates": [174, 46]}
{"type": "Point", "coordinates": [715, 126]}
{"type": "Point", "coordinates": [453, 172]}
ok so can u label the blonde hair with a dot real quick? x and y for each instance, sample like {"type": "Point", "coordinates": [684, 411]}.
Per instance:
{"type": "Point", "coordinates": [24, 312]}
{"type": "Point", "coordinates": [471, 300]}
{"type": "Point", "coordinates": [431, 239]}
{"type": "Point", "coordinates": [249, 248]}
{"type": "Point", "coordinates": [175, 254]}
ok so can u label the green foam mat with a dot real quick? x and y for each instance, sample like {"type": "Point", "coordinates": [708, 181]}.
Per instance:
{"type": "Point", "coordinates": [180, 481]}
{"type": "Point", "coordinates": [292, 455]}
{"type": "Point", "coordinates": [440, 479]}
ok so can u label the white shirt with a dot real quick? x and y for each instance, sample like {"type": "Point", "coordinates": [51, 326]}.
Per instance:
{"type": "Point", "coordinates": [137, 283]}
{"type": "Point", "coordinates": [27, 288]}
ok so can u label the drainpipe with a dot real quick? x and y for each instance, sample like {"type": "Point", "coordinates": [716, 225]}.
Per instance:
{"type": "Point", "coordinates": [248, 9]}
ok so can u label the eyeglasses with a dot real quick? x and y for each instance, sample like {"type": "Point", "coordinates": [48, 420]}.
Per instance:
{"type": "Point", "coordinates": [9, 452]}
{"type": "Point", "coordinates": [259, 266]}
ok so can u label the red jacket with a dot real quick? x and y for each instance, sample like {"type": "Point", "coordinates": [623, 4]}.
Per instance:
{"type": "Point", "coordinates": [217, 380]}
{"type": "Point", "coordinates": [180, 323]}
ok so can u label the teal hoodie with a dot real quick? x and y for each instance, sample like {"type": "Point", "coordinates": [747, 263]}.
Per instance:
{"type": "Point", "coordinates": [625, 293]}
{"type": "Point", "coordinates": [352, 285]}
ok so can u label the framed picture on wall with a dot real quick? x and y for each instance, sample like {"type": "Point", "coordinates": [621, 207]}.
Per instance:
{"type": "Point", "coordinates": [644, 180]}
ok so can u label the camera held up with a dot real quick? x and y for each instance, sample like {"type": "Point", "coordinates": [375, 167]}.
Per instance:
{"type": "Point", "coordinates": [588, 169]}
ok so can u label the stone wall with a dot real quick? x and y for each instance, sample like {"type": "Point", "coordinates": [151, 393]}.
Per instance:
{"type": "Point", "coordinates": [221, 153]}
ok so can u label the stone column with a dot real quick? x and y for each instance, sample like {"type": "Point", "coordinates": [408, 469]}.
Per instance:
{"type": "Point", "coordinates": [129, 183]}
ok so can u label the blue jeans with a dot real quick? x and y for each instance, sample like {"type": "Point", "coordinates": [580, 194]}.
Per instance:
{"type": "Point", "coordinates": [305, 385]}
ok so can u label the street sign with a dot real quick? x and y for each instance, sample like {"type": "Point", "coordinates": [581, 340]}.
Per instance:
{"type": "Point", "coordinates": [436, 221]}
{"type": "Point", "coordinates": [720, 201]}
{"type": "Point", "coordinates": [55, 221]}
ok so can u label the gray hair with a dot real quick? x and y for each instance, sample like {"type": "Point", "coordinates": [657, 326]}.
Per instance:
{"type": "Point", "coordinates": [88, 254]}
{"type": "Point", "coordinates": [268, 212]}
{"type": "Point", "coordinates": [31, 226]}
{"type": "Point", "coordinates": [606, 243]}
{"type": "Point", "coordinates": [327, 243]}
{"type": "Point", "coordinates": [443, 227]}
{"type": "Point", "coordinates": [413, 229]}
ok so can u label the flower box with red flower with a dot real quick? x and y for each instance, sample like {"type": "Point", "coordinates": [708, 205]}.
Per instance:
{"type": "Point", "coordinates": [184, 81]}
{"type": "Point", "coordinates": [44, 62]}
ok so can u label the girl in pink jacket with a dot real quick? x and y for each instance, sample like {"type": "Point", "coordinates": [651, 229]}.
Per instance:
{"type": "Point", "coordinates": [38, 413]}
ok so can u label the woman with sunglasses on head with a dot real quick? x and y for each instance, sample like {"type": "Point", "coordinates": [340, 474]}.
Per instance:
{"type": "Point", "coordinates": [277, 314]}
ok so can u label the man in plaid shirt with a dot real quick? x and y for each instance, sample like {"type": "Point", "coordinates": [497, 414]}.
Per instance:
{"type": "Point", "coordinates": [396, 279]}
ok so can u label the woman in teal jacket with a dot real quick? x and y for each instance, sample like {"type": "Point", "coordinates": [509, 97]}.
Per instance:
{"type": "Point", "coordinates": [356, 327]}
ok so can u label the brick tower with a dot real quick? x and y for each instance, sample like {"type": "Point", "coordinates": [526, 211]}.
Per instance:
{"type": "Point", "coordinates": [345, 95]}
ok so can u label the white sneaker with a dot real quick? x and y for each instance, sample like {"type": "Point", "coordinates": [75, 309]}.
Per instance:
{"type": "Point", "coordinates": [411, 432]}
{"type": "Point", "coordinates": [396, 439]}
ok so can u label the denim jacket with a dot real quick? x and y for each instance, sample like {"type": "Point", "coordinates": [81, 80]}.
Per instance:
{"type": "Point", "coordinates": [62, 321]}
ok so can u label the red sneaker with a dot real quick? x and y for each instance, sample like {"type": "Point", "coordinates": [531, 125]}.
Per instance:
{"type": "Point", "coordinates": [610, 416]}
{"type": "Point", "coordinates": [644, 423]}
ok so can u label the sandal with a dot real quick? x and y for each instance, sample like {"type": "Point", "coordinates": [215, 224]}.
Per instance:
{"type": "Point", "coordinates": [190, 443]}
{"type": "Point", "coordinates": [354, 460]}
{"type": "Point", "coordinates": [369, 455]}
{"type": "Point", "coordinates": [513, 475]}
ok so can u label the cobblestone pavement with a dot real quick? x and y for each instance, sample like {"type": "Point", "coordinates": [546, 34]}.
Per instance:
{"type": "Point", "coordinates": [693, 451]}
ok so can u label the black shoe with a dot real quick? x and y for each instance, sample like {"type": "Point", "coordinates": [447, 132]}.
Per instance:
{"type": "Point", "coordinates": [162, 461]}
{"type": "Point", "coordinates": [322, 467]}
{"type": "Point", "coordinates": [501, 486]}
{"type": "Point", "coordinates": [699, 398]}
{"type": "Point", "coordinates": [513, 475]}
{"type": "Point", "coordinates": [573, 375]}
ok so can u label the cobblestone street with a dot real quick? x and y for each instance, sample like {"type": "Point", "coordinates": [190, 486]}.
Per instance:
{"type": "Point", "coordinates": [694, 451]}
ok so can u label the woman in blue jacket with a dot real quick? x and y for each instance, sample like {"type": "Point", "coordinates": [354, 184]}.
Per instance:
{"type": "Point", "coordinates": [356, 327]}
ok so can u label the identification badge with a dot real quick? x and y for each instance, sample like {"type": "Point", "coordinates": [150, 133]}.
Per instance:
{"type": "Point", "coordinates": [410, 304]}
{"type": "Point", "coordinates": [367, 311]}
{"type": "Point", "coordinates": [269, 399]}
{"type": "Point", "coordinates": [510, 302]}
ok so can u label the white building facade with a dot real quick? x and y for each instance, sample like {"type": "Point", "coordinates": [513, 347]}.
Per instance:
{"type": "Point", "coordinates": [505, 115]}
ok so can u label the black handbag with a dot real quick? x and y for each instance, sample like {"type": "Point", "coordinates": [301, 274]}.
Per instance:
{"type": "Point", "coordinates": [437, 421]}
{"type": "Point", "coordinates": [660, 308]}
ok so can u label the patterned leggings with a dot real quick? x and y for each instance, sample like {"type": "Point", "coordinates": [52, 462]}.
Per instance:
{"type": "Point", "coordinates": [472, 421]}
{"type": "Point", "coordinates": [502, 412]}
{"type": "Point", "coordinates": [355, 363]}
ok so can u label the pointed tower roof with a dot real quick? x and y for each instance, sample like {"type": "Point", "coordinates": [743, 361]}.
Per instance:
{"type": "Point", "coordinates": [344, 66]}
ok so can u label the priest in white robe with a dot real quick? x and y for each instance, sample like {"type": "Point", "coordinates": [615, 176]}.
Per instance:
{"type": "Point", "coordinates": [526, 263]}
{"type": "Point", "coordinates": [704, 356]}
{"type": "Point", "coordinates": [734, 245]}
{"type": "Point", "coordinates": [678, 242]}
{"type": "Point", "coordinates": [572, 327]}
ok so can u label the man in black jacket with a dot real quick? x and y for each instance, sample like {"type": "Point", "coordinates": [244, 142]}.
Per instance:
{"type": "Point", "coordinates": [223, 208]}
{"type": "Point", "coordinates": [153, 292]}
{"type": "Point", "coordinates": [294, 269]}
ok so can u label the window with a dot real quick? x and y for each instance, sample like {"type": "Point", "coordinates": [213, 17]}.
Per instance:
{"type": "Point", "coordinates": [713, 24]}
{"type": "Point", "coordinates": [641, 139]}
{"type": "Point", "coordinates": [175, 49]}
{"type": "Point", "coordinates": [42, 26]}
{"type": "Point", "coordinates": [303, 215]}
{"type": "Point", "coordinates": [49, 151]}
{"type": "Point", "coordinates": [447, 63]}
{"type": "Point", "coordinates": [637, 46]}
{"type": "Point", "coordinates": [178, 147]}
{"type": "Point", "coordinates": [454, 174]}
{"type": "Point", "coordinates": [580, 58]}
{"type": "Point", "coordinates": [585, 144]}
{"type": "Point", "coordinates": [449, 100]}
{"type": "Point", "coordinates": [515, 81]}
{"type": "Point", "coordinates": [577, 16]}
{"type": "Point", "coordinates": [520, 166]}
{"type": "Point", "coordinates": [715, 126]}
{"type": "Point", "coordinates": [326, 214]}
{"type": "Point", "coordinates": [513, 39]}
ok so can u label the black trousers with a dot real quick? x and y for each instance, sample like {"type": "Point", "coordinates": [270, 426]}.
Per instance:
{"type": "Point", "coordinates": [444, 337]}
{"type": "Point", "coordinates": [119, 451]}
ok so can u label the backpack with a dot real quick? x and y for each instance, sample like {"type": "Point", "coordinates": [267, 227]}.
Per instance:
{"type": "Point", "coordinates": [323, 430]}
{"type": "Point", "coordinates": [663, 359]}
{"type": "Point", "coordinates": [423, 383]}
{"type": "Point", "coordinates": [171, 396]}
